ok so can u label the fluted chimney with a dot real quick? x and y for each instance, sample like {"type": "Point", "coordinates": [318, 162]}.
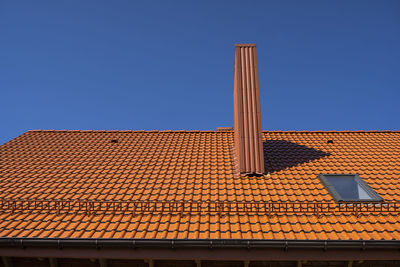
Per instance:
{"type": "Point", "coordinates": [247, 111]}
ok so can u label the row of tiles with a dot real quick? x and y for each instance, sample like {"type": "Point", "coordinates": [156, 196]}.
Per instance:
{"type": "Point", "coordinates": [190, 167]}
{"type": "Point", "coordinates": [334, 227]}
{"type": "Point", "coordinates": [145, 189]}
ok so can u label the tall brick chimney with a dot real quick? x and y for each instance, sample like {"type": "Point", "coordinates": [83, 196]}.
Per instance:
{"type": "Point", "coordinates": [247, 115]}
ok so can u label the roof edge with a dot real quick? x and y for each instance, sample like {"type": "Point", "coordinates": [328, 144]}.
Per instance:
{"type": "Point", "coordinates": [131, 131]}
{"type": "Point", "coordinates": [196, 243]}
{"type": "Point", "coordinates": [332, 131]}
{"type": "Point", "coordinates": [211, 131]}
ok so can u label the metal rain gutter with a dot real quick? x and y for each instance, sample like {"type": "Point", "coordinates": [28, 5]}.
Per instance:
{"type": "Point", "coordinates": [198, 243]}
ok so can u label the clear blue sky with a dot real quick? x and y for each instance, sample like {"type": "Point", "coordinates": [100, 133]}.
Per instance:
{"type": "Point", "coordinates": [144, 65]}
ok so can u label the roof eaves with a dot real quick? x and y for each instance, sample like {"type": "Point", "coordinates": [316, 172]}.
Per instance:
{"type": "Point", "coordinates": [197, 243]}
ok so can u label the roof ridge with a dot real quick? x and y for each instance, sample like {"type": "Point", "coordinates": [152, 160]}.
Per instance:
{"type": "Point", "coordinates": [131, 131]}
{"type": "Point", "coordinates": [214, 131]}
{"type": "Point", "coordinates": [333, 131]}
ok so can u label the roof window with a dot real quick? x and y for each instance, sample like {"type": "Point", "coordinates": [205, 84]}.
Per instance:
{"type": "Point", "coordinates": [348, 187]}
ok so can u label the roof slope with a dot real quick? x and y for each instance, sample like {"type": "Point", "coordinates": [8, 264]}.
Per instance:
{"type": "Point", "coordinates": [178, 166]}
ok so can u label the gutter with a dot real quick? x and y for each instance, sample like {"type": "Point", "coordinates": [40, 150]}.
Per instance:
{"type": "Point", "coordinates": [60, 243]}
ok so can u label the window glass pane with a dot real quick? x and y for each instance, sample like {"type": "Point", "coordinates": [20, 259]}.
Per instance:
{"type": "Point", "coordinates": [348, 188]}
{"type": "Point", "coordinates": [362, 194]}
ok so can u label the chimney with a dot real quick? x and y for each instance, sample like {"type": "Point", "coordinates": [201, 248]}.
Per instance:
{"type": "Point", "coordinates": [247, 114]}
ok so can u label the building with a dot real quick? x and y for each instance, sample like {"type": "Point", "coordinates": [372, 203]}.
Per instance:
{"type": "Point", "coordinates": [242, 197]}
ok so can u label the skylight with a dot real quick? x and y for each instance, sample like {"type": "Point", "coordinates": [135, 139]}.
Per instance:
{"type": "Point", "coordinates": [348, 187]}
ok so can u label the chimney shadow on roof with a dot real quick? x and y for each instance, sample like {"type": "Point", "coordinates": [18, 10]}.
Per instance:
{"type": "Point", "coordinates": [281, 154]}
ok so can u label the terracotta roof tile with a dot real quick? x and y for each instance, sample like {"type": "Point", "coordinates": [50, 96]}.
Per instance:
{"type": "Point", "coordinates": [182, 166]}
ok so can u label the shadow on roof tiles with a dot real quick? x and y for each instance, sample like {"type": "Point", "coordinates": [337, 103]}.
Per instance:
{"type": "Point", "coordinates": [281, 154]}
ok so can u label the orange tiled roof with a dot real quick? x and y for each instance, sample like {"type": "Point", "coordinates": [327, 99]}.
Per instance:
{"type": "Point", "coordinates": [81, 167]}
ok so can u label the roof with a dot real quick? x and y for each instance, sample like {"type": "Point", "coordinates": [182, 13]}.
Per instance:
{"type": "Point", "coordinates": [68, 184]}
